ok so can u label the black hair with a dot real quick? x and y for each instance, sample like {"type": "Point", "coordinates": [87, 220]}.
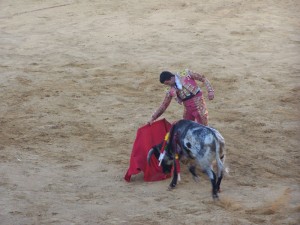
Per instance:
{"type": "Point", "coordinates": [165, 75]}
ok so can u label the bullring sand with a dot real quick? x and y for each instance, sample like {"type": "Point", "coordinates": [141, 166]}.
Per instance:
{"type": "Point", "coordinates": [78, 78]}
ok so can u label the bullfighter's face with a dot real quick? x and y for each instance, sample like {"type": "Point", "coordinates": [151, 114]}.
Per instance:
{"type": "Point", "coordinates": [170, 82]}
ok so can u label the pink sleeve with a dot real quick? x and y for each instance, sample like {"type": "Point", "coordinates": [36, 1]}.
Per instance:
{"type": "Point", "coordinates": [203, 79]}
{"type": "Point", "coordinates": [164, 105]}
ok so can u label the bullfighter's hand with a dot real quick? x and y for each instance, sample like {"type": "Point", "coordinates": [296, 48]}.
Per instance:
{"type": "Point", "coordinates": [150, 122]}
{"type": "Point", "coordinates": [211, 95]}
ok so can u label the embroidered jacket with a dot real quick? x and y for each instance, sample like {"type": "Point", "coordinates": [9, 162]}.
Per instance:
{"type": "Point", "coordinates": [185, 88]}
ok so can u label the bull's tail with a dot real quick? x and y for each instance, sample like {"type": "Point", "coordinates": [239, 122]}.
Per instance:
{"type": "Point", "coordinates": [220, 164]}
{"type": "Point", "coordinates": [220, 152]}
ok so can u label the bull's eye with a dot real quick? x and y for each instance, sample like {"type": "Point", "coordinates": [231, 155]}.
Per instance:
{"type": "Point", "coordinates": [188, 145]}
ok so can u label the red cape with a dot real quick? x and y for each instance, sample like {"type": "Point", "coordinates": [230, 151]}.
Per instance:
{"type": "Point", "coordinates": [146, 137]}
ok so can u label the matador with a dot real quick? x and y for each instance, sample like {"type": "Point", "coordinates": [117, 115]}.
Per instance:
{"type": "Point", "coordinates": [184, 89]}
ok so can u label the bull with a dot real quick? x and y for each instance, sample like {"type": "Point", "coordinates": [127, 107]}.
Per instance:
{"type": "Point", "coordinates": [197, 143]}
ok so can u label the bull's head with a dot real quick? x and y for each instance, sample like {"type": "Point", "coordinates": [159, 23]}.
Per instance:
{"type": "Point", "coordinates": [166, 159]}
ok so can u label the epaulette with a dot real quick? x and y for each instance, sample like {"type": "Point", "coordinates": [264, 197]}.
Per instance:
{"type": "Point", "coordinates": [183, 73]}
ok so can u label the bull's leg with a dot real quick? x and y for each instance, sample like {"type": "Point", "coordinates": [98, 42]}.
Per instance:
{"type": "Point", "coordinates": [219, 182]}
{"type": "Point", "coordinates": [175, 177]}
{"type": "Point", "coordinates": [192, 169]}
{"type": "Point", "coordinates": [220, 173]}
{"type": "Point", "coordinates": [213, 179]}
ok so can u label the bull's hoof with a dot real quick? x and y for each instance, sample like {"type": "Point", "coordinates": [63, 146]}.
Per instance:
{"type": "Point", "coordinates": [215, 197]}
{"type": "Point", "coordinates": [196, 179]}
{"type": "Point", "coordinates": [171, 187]}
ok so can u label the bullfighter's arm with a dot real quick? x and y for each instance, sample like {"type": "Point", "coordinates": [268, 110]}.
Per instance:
{"type": "Point", "coordinates": [162, 108]}
{"type": "Point", "coordinates": [205, 81]}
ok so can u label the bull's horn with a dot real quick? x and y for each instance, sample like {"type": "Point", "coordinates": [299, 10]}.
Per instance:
{"type": "Point", "coordinates": [150, 153]}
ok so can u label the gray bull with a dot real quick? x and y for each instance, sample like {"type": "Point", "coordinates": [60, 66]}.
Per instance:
{"type": "Point", "coordinates": [193, 141]}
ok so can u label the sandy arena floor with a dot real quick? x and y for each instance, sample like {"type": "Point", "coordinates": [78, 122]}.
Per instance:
{"type": "Point", "coordinates": [78, 78]}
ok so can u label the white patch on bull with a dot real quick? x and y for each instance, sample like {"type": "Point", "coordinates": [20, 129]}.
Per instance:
{"type": "Point", "coordinates": [218, 135]}
{"type": "Point", "coordinates": [192, 143]}
{"type": "Point", "coordinates": [205, 160]}
{"type": "Point", "coordinates": [208, 140]}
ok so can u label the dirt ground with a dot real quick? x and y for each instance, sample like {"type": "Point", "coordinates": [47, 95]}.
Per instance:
{"type": "Point", "coordinates": [78, 78]}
